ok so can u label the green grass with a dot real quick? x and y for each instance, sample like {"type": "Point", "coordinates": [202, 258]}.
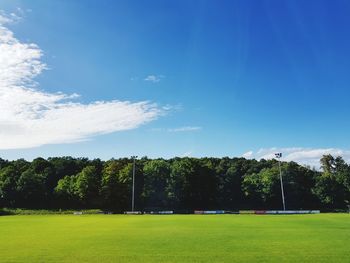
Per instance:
{"type": "Point", "coordinates": [176, 238]}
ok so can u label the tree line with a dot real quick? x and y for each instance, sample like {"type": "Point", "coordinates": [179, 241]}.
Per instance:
{"type": "Point", "coordinates": [180, 184]}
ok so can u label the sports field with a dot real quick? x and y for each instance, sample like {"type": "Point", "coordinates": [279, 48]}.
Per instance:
{"type": "Point", "coordinates": [175, 238]}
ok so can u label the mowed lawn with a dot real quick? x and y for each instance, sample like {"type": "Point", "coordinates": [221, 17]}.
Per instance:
{"type": "Point", "coordinates": [175, 238]}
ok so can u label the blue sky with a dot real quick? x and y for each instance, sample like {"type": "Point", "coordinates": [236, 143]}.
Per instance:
{"type": "Point", "coordinates": [228, 78]}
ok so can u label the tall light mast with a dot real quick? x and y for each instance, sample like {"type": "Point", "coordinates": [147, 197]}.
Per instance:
{"type": "Point", "coordinates": [279, 156]}
{"type": "Point", "coordinates": [133, 183]}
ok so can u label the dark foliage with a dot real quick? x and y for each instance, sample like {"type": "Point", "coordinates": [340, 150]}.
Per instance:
{"type": "Point", "coordinates": [181, 184]}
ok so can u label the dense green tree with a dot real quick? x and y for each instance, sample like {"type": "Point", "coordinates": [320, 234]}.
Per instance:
{"type": "Point", "coordinates": [125, 177]}
{"type": "Point", "coordinates": [179, 187]}
{"type": "Point", "coordinates": [298, 182]}
{"type": "Point", "coordinates": [263, 188]}
{"type": "Point", "coordinates": [3, 163]}
{"type": "Point", "coordinates": [87, 186]}
{"type": "Point", "coordinates": [183, 184]}
{"type": "Point", "coordinates": [8, 186]}
{"type": "Point", "coordinates": [332, 186]}
{"type": "Point", "coordinates": [230, 193]}
{"type": "Point", "coordinates": [115, 185]}
{"type": "Point", "coordinates": [66, 193]}
{"type": "Point", "coordinates": [32, 190]}
{"type": "Point", "coordinates": [193, 183]}
{"type": "Point", "coordinates": [156, 177]}
{"type": "Point", "coordinates": [204, 185]}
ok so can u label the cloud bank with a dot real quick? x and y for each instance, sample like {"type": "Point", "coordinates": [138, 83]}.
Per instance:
{"type": "Point", "coordinates": [30, 117]}
{"type": "Point", "coordinates": [304, 156]}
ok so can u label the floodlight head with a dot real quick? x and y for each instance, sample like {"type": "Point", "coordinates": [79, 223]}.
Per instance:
{"type": "Point", "coordinates": [278, 155]}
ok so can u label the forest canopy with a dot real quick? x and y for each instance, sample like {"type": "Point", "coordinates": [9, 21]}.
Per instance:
{"type": "Point", "coordinates": [180, 184]}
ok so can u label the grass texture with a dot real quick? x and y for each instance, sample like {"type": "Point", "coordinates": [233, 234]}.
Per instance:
{"type": "Point", "coordinates": [175, 238]}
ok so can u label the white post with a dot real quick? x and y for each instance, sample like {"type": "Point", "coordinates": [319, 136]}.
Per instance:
{"type": "Point", "coordinates": [279, 155]}
{"type": "Point", "coordinates": [133, 184]}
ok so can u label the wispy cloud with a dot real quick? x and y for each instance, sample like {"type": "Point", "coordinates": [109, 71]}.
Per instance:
{"type": "Point", "coordinates": [10, 18]}
{"type": "Point", "coordinates": [248, 155]}
{"type": "Point", "coordinates": [305, 156]}
{"type": "Point", "coordinates": [154, 78]}
{"type": "Point", "coordinates": [31, 117]}
{"type": "Point", "coordinates": [178, 129]}
{"type": "Point", "coordinates": [185, 129]}
{"type": "Point", "coordinates": [187, 154]}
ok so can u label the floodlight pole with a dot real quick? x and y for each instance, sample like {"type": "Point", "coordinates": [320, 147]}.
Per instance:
{"type": "Point", "coordinates": [278, 156]}
{"type": "Point", "coordinates": [133, 183]}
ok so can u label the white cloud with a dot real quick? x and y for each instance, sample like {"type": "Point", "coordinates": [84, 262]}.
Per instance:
{"type": "Point", "coordinates": [31, 117]}
{"type": "Point", "coordinates": [154, 78]}
{"type": "Point", "coordinates": [187, 154]}
{"type": "Point", "coordinates": [9, 18]}
{"type": "Point", "coordinates": [305, 156]}
{"type": "Point", "coordinates": [248, 155]}
{"type": "Point", "coordinates": [185, 129]}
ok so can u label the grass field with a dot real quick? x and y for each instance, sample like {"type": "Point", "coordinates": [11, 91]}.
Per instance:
{"type": "Point", "coordinates": [175, 238]}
